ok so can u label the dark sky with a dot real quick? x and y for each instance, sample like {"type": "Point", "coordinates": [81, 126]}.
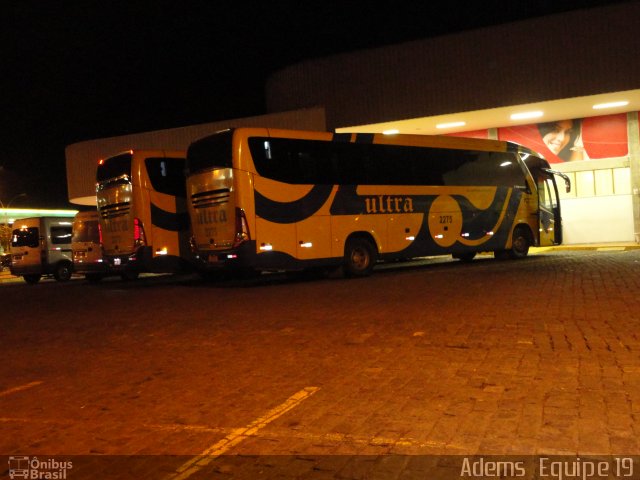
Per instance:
{"type": "Point", "coordinates": [75, 71]}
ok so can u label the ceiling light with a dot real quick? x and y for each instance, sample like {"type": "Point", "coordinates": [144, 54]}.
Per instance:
{"type": "Point", "coordinates": [600, 106]}
{"type": "Point", "coordinates": [526, 115]}
{"type": "Point", "coordinates": [390, 132]}
{"type": "Point", "coordinates": [451, 125]}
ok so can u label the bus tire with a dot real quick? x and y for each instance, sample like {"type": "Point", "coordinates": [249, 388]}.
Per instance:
{"type": "Point", "coordinates": [359, 257]}
{"type": "Point", "coordinates": [32, 279]}
{"type": "Point", "coordinates": [129, 275]}
{"type": "Point", "coordinates": [63, 272]}
{"type": "Point", "coordinates": [465, 257]}
{"type": "Point", "coordinates": [501, 255]}
{"type": "Point", "coordinates": [520, 243]}
{"type": "Point", "coordinates": [94, 277]}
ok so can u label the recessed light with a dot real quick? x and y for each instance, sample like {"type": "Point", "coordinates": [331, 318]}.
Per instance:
{"type": "Point", "coordinates": [526, 115]}
{"type": "Point", "coordinates": [451, 125]}
{"type": "Point", "coordinates": [390, 132]}
{"type": "Point", "coordinates": [600, 106]}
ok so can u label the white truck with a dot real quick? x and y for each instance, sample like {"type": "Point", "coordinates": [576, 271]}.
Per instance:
{"type": "Point", "coordinates": [42, 246]}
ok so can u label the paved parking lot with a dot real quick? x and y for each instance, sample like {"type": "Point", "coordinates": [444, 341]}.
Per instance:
{"type": "Point", "coordinates": [532, 357]}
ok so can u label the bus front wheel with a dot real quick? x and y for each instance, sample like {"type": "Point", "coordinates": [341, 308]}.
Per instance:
{"type": "Point", "coordinates": [520, 243]}
{"type": "Point", "coordinates": [359, 257]}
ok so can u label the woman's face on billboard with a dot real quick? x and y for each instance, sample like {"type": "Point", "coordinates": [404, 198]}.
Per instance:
{"type": "Point", "coordinates": [559, 136]}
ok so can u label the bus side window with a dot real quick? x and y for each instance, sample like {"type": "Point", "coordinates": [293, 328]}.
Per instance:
{"type": "Point", "coordinates": [167, 175]}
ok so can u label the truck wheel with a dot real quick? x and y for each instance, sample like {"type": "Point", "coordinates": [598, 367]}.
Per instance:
{"type": "Point", "coordinates": [63, 272]}
{"type": "Point", "coordinates": [32, 279]}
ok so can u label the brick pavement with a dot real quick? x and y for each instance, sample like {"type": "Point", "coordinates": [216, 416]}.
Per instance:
{"type": "Point", "coordinates": [540, 356]}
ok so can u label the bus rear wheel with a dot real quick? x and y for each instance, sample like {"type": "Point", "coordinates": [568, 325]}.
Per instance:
{"type": "Point", "coordinates": [359, 257]}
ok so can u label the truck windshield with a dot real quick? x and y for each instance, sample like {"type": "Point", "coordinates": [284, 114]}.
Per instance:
{"type": "Point", "coordinates": [25, 237]}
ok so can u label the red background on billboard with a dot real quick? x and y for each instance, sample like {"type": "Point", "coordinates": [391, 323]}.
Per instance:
{"type": "Point", "coordinates": [606, 136]}
{"type": "Point", "coordinates": [529, 136]}
{"type": "Point", "coordinates": [603, 137]}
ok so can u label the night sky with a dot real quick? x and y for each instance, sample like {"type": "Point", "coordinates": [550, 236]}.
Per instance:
{"type": "Point", "coordinates": [75, 71]}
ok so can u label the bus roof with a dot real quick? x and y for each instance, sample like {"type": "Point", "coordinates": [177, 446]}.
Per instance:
{"type": "Point", "coordinates": [433, 141]}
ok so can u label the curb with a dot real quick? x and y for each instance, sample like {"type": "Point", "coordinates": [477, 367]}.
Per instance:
{"type": "Point", "coordinates": [601, 247]}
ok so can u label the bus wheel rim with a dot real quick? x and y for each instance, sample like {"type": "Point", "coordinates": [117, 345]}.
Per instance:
{"type": "Point", "coordinates": [360, 258]}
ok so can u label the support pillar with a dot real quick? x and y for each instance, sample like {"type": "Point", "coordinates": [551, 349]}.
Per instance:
{"type": "Point", "coordinates": [633, 134]}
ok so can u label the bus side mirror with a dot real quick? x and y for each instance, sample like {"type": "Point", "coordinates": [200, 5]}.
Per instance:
{"type": "Point", "coordinates": [567, 180]}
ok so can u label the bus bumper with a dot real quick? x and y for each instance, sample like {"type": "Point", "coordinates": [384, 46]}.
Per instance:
{"type": "Point", "coordinates": [238, 258]}
{"type": "Point", "coordinates": [144, 261]}
{"type": "Point", "coordinates": [132, 262]}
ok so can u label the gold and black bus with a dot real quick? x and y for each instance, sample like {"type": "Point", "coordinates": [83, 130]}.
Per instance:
{"type": "Point", "coordinates": [143, 213]}
{"type": "Point", "coordinates": [270, 199]}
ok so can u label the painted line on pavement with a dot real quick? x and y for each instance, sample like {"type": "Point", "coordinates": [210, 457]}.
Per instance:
{"type": "Point", "coordinates": [19, 389]}
{"type": "Point", "coordinates": [239, 434]}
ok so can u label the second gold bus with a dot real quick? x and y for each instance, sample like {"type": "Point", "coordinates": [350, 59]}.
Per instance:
{"type": "Point", "coordinates": [143, 214]}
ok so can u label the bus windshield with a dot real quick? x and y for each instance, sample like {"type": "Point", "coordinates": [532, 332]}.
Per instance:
{"type": "Point", "coordinates": [114, 167]}
{"type": "Point", "coordinates": [211, 152]}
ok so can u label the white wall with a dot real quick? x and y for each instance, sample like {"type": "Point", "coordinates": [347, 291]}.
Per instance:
{"type": "Point", "coordinates": [599, 207]}
{"type": "Point", "coordinates": [597, 219]}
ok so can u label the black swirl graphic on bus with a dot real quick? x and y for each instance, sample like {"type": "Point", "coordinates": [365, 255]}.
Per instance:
{"type": "Point", "coordinates": [173, 222]}
{"type": "Point", "coordinates": [292, 212]}
{"type": "Point", "coordinates": [475, 221]}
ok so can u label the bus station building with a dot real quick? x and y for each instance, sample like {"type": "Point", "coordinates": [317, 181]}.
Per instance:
{"type": "Point", "coordinates": [565, 85]}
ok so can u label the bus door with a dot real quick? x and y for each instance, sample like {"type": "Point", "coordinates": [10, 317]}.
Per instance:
{"type": "Point", "coordinates": [549, 211]}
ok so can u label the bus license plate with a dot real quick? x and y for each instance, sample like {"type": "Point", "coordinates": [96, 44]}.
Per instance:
{"type": "Point", "coordinates": [213, 259]}
{"type": "Point", "coordinates": [116, 261]}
